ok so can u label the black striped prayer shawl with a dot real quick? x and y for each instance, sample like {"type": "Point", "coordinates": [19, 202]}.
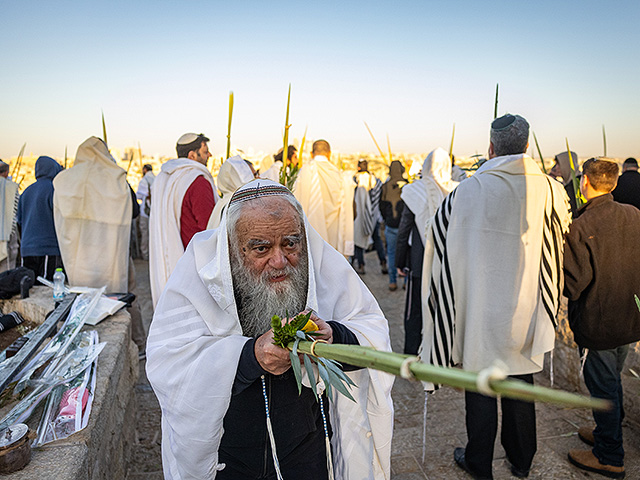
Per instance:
{"type": "Point", "coordinates": [441, 293]}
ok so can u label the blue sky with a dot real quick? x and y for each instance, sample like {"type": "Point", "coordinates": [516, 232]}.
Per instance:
{"type": "Point", "coordinates": [409, 69]}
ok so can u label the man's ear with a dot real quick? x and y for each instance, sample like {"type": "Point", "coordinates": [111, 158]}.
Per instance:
{"type": "Point", "coordinates": [491, 152]}
{"type": "Point", "coordinates": [191, 155]}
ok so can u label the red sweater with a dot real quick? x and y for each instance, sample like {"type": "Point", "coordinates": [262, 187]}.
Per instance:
{"type": "Point", "coordinates": [197, 205]}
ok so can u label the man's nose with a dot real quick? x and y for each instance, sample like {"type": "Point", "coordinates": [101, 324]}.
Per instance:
{"type": "Point", "coordinates": [278, 259]}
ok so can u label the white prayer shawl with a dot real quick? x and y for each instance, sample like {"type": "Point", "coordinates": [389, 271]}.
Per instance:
{"type": "Point", "coordinates": [234, 172]}
{"type": "Point", "coordinates": [9, 197]}
{"type": "Point", "coordinates": [167, 194]}
{"type": "Point", "coordinates": [92, 208]}
{"type": "Point", "coordinates": [364, 221]}
{"type": "Point", "coordinates": [273, 172]}
{"type": "Point", "coordinates": [457, 174]}
{"type": "Point", "coordinates": [424, 196]}
{"type": "Point", "coordinates": [326, 196]}
{"type": "Point", "coordinates": [195, 341]}
{"type": "Point", "coordinates": [494, 259]}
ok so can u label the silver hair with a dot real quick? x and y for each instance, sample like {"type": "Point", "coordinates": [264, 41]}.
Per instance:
{"type": "Point", "coordinates": [510, 140]}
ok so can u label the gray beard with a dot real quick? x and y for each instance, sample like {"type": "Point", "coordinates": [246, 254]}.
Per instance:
{"type": "Point", "coordinates": [258, 299]}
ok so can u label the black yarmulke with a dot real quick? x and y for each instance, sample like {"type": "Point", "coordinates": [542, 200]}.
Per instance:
{"type": "Point", "coordinates": [503, 122]}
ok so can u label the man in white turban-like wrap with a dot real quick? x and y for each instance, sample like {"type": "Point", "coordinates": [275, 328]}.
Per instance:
{"type": "Point", "coordinates": [213, 365]}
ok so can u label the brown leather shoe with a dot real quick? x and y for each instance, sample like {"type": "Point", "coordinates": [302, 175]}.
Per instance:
{"type": "Point", "coordinates": [393, 287]}
{"type": "Point", "coordinates": [586, 460]}
{"type": "Point", "coordinates": [586, 435]}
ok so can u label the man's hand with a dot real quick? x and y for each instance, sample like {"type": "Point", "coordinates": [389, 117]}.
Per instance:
{"type": "Point", "coordinates": [272, 358]}
{"type": "Point", "coordinates": [324, 329]}
{"type": "Point", "coordinates": [401, 272]}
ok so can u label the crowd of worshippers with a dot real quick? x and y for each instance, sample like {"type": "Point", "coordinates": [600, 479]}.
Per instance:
{"type": "Point", "coordinates": [484, 258]}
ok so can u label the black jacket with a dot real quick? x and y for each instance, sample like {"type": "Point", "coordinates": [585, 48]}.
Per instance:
{"type": "Point", "coordinates": [602, 274]}
{"type": "Point", "coordinates": [409, 256]}
{"type": "Point", "coordinates": [628, 189]}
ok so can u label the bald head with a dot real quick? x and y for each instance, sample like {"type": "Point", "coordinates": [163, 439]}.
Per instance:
{"type": "Point", "coordinates": [321, 147]}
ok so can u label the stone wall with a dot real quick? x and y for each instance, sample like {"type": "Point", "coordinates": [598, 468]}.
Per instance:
{"type": "Point", "coordinates": [102, 449]}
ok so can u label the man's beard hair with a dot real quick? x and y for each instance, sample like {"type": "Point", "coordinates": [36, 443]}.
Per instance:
{"type": "Point", "coordinates": [258, 299]}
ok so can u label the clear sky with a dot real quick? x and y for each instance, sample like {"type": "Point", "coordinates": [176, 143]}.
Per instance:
{"type": "Point", "coordinates": [410, 69]}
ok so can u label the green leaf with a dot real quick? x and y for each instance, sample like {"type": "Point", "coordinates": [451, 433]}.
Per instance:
{"type": "Point", "coordinates": [339, 373]}
{"type": "Point", "coordinates": [337, 383]}
{"type": "Point", "coordinates": [312, 377]}
{"type": "Point", "coordinates": [297, 371]}
{"type": "Point", "coordinates": [637, 301]}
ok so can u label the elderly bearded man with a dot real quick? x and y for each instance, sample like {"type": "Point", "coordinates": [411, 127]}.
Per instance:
{"type": "Point", "coordinates": [215, 370]}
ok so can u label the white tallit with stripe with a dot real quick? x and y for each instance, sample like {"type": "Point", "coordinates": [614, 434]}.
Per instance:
{"type": "Point", "coordinates": [365, 220]}
{"type": "Point", "coordinates": [9, 197]}
{"type": "Point", "coordinates": [493, 269]}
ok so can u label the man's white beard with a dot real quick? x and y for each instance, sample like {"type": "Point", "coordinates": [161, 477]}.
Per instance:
{"type": "Point", "coordinates": [258, 298]}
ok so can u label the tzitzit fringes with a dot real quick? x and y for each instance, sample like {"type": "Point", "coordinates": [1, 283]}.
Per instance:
{"type": "Point", "coordinates": [583, 360]}
{"type": "Point", "coordinates": [272, 439]}
{"type": "Point", "coordinates": [551, 368]}
{"type": "Point", "coordinates": [424, 427]}
{"type": "Point", "coordinates": [326, 440]}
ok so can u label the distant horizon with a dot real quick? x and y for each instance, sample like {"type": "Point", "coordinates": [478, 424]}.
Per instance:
{"type": "Point", "coordinates": [410, 69]}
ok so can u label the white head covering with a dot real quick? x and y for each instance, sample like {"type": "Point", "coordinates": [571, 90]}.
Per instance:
{"type": "Point", "coordinates": [195, 341]}
{"type": "Point", "coordinates": [424, 196]}
{"type": "Point", "coordinates": [234, 173]}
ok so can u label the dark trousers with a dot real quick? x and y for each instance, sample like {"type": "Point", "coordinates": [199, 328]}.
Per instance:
{"type": "Point", "coordinates": [358, 257]}
{"type": "Point", "coordinates": [602, 376]}
{"type": "Point", "coordinates": [377, 243]}
{"type": "Point", "coordinates": [518, 436]}
{"type": "Point", "coordinates": [413, 316]}
{"type": "Point", "coordinates": [44, 265]}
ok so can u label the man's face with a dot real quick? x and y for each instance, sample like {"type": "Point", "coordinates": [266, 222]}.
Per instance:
{"type": "Point", "coordinates": [270, 239]}
{"type": "Point", "coordinates": [555, 170]}
{"type": "Point", "coordinates": [202, 155]}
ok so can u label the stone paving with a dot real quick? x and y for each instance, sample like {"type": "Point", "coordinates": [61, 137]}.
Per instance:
{"type": "Point", "coordinates": [445, 427]}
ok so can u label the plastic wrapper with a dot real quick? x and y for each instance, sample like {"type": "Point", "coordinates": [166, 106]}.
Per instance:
{"type": "Point", "coordinates": [75, 362]}
{"type": "Point", "coordinates": [57, 347]}
{"type": "Point", "coordinates": [69, 405]}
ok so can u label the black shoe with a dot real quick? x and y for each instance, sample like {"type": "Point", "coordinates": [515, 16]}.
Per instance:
{"type": "Point", "coordinates": [383, 268]}
{"type": "Point", "coordinates": [516, 472]}
{"type": "Point", "coordinates": [458, 456]}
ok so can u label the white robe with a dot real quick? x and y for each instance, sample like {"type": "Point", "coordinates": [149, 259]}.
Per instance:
{"type": "Point", "coordinates": [486, 269]}
{"type": "Point", "coordinates": [424, 196]}
{"type": "Point", "coordinates": [9, 197]}
{"type": "Point", "coordinates": [234, 173]}
{"type": "Point", "coordinates": [195, 342]}
{"type": "Point", "coordinates": [326, 196]}
{"type": "Point", "coordinates": [273, 172]}
{"type": "Point", "coordinates": [167, 194]}
{"type": "Point", "coordinates": [92, 209]}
